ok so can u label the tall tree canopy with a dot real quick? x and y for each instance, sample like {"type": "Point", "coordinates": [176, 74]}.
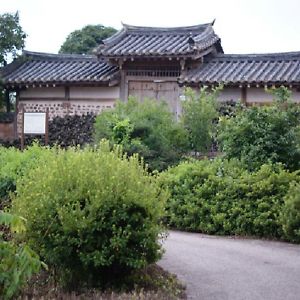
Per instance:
{"type": "Point", "coordinates": [83, 41]}
{"type": "Point", "coordinates": [12, 40]}
{"type": "Point", "coordinates": [12, 37]}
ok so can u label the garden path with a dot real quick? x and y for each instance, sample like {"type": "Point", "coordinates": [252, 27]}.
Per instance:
{"type": "Point", "coordinates": [233, 268]}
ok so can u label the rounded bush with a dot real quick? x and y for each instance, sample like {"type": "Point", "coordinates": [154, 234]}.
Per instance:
{"type": "Point", "coordinates": [92, 214]}
{"type": "Point", "coordinates": [291, 214]}
{"type": "Point", "coordinates": [147, 128]}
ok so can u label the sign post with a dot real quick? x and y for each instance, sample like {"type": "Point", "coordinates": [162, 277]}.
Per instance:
{"type": "Point", "coordinates": [35, 123]}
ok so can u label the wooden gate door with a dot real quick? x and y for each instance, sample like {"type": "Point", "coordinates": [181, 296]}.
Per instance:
{"type": "Point", "coordinates": [167, 91]}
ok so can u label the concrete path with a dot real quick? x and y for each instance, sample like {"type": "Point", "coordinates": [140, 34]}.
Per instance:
{"type": "Point", "coordinates": [234, 269]}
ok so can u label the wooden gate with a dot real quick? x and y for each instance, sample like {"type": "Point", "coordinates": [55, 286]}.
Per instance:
{"type": "Point", "coordinates": [167, 91]}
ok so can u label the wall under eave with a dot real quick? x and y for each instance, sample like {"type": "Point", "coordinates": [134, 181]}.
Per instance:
{"type": "Point", "coordinates": [61, 101]}
{"type": "Point", "coordinates": [253, 95]}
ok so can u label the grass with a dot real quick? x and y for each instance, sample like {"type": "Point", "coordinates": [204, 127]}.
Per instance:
{"type": "Point", "coordinates": [152, 283]}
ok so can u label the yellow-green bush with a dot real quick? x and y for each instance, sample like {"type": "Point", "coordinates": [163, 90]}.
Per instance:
{"type": "Point", "coordinates": [14, 164]}
{"type": "Point", "coordinates": [91, 214]}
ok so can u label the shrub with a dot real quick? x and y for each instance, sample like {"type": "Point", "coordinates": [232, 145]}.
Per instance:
{"type": "Point", "coordinates": [263, 134]}
{"type": "Point", "coordinates": [221, 197]}
{"type": "Point", "coordinates": [93, 215]}
{"type": "Point", "coordinates": [291, 214]}
{"type": "Point", "coordinates": [198, 115]}
{"type": "Point", "coordinates": [17, 261]}
{"type": "Point", "coordinates": [147, 128]}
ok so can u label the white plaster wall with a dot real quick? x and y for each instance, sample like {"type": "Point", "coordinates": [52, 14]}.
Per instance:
{"type": "Point", "coordinates": [295, 95]}
{"type": "Point", "coordinates": [258, 95]}
{"type": "Point", "coordinates": [43, 92]}
{"type": "Point", "coordinates": [94, 93]}
{"type": "Point", "coordinates": [228, 94]}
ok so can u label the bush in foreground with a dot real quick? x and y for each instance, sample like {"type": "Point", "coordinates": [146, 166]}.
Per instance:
{"type": "Point", "coordinates": [221, 197]}
{"type": "Point", "coordinates": [17, 261]}
{"type": "Point", "coordinates": [92, 215]}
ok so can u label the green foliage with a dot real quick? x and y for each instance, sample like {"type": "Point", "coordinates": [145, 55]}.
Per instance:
{"type": "Point", "coordinates": [15, 164]}
{"type": "Point", "coordinates": [12, 40]}
{"type": "Point", "coordinates": [147, 128]}
{"type": "Point", "coordinates": [281, 95]}
{"type": "Point", "coordinates": [221, 197]}
{"type": "Point", "coordinates": [230, 108]}
{"type": "Point", "coordinates": [83, 41]}
{"type": "Point", "coordinates": [92, 215]}
{"type": "Point", "coordinates": [17, 261]}
{"type": "Point", "coordinates": [291, 214]}
{"type": "Point", "coordinates": [12, 37]}
{"type": "Point", "coordinates": [263, 134]}
{"type": "Point", "coordinates": [198, 115]}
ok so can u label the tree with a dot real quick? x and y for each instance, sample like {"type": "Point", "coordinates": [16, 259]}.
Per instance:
{"type": "Point", "coordinates": [12, 40]}
{"type": "Point", "coordinates": [83, 41]}
{"type": "Point", "coordinates": [12, 37]}
{"type": "Point", "coordinates": [198, 115]}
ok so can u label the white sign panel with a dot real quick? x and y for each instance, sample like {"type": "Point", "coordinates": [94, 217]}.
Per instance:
{"type": "Point", "coordinates": [34, 123]}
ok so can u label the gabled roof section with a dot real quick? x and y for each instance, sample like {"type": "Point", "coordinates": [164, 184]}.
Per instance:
{"type": "Point", "coordinates": [34, 68]}
{"type": "Point", "coordinates": [135, 41]}
{"type": "Point", "coordinates": [257, 69]}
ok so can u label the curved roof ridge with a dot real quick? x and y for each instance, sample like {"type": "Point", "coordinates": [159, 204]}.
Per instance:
{"type": "Point", "coordinates": [168, 29]}
{"type": "Point", "coordinates": [45, 55]}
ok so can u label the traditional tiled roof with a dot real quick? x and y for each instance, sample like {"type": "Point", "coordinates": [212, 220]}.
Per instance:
{"type": "Point", "coordinates": [43, 68]}
{"type": "Point", "coordinates": [275, 68]}
{"type": "Point", "coordinates": [134, 41]}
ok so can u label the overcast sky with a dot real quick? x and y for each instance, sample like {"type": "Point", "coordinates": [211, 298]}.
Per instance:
{"type": "Point", "coordinates": [245, 26]}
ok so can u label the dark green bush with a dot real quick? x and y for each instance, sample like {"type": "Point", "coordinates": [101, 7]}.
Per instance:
{"type": "Point", "coordinates": [221, 197]}
{"type": "Point", "coordinates": [92, 215]}
{"type": "Point", "coordinates": [259, 135]}
{"type": "Point", "coordinates": [291, 214]}
{"type": "Point", "coordinates": [147, 128]}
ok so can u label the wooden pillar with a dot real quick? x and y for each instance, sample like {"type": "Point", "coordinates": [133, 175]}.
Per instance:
{"type": "Point", "coordinates": [244, 95]}
{"type": "Point", "coordinates": [22, 131]}
{"type": "Point", "coordinates": [7, 100]}
{"type": "Point", "coordinates": [47, 127]}
{"type": "Point", "coordinates": [123, 95]}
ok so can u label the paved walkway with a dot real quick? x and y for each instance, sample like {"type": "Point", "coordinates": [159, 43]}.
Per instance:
{"type": "Point", "coordinates": [234, 269]}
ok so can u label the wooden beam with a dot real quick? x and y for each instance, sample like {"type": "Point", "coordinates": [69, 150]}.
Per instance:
{"type": "Point", "coordinates": [67, 93]}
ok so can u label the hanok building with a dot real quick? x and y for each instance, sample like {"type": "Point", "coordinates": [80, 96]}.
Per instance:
{"type": "Point", "coordinates": [146, 62]}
